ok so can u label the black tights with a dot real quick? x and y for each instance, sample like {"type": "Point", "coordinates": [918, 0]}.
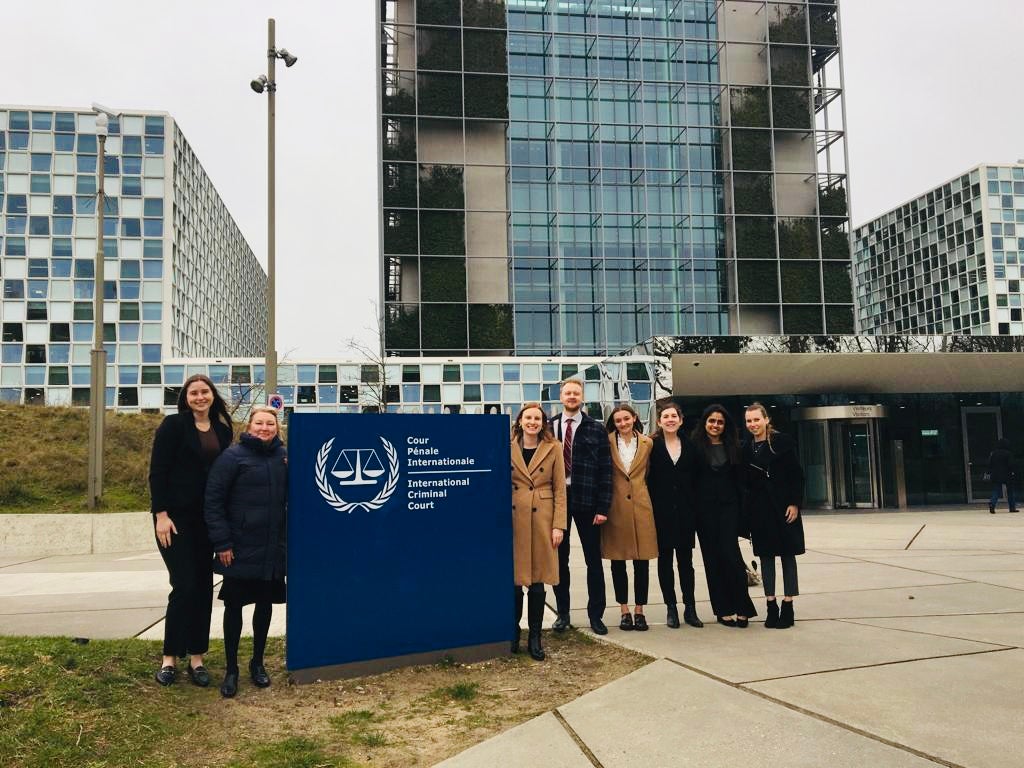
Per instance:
{"type": "Point", "coordinates": [233, 632]}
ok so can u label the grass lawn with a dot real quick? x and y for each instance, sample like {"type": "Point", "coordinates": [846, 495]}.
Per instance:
{"type": "Point", "coordinates": [68, 705]}
{"type": "Point", "coordinates": [44, 459]}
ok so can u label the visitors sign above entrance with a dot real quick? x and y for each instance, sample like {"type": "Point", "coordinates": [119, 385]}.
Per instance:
{"type": "Point", "coordinates": [829, 412]}
{"type": "Point", "coordinates": [399, 541]}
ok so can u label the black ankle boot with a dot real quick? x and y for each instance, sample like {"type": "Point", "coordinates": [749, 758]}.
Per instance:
{"type": "Point", "coordinates": [772, 619]}
{"type": "Point", "coordinates": [672, 620]}
{"type": "Point", "coordinates": [536, 652]}
{"type": "Point", "coordinates": [785, 615]}
{"type": "Point", "coordinates": [991, 509]}
{"type": "Point", "coordinates": [515, 640]}
{"type": "Point", "coordinates": [690, 616]}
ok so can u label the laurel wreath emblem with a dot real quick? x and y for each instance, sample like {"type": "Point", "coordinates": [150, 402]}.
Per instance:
{"type": "Point", "coordinates": [339, 503]}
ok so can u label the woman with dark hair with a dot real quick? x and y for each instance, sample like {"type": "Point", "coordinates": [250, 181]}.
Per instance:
{"type": "Point", "coordinates": [538, 517]}
{"type": "Point", "coordinates": [774, 494]}
{"type": "Point", "coordinates": [719, 504]}
{"type": "Point", "coordinates": [184, 448]}
{"type": "Point", "coordinates": [246, 500]}
{"type": "Point", "coordinates": [1001, 472]}
{"type": "Point", "coordinates": [670, 484]}
{"type": "Point", "coordinates": [629, 533]}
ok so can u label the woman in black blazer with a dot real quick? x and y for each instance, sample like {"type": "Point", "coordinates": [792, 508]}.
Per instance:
{"type": "Point", "coordinates": [719, 504]}
{"type": "Point", "coordinates": [774, 493]}
{"type": "Point", "coordinates": [185, 447]}
{"type": "Point", "coordinates": [670, 479]}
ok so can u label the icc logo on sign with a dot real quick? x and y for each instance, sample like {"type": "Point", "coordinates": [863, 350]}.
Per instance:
{"type": "Point", "coordinates": [356, 467]}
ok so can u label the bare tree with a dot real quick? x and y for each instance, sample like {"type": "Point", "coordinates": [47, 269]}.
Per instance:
{"type": "Point", "coordinates": [374, 371]}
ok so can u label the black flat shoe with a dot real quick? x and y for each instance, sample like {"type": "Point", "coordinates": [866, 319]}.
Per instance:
{"type": "Point", "coordinates": [561, 623]}
{"type": "Point", "coordinates": [230, 685]}
{"type": "Point", "coordinates": [598, 626]}
{"type": "Point", "coordinates": [199, 676]}
{"type": "Point", "coordinates": [742, 623]}
{"type": "Point", "coordinates": [626, 623]}
{"type": "Point", "coordinates": [640, 623]}
{"type": "Point", "coordinates": [259, 675]}
{"type": "Point", "coordinates": [727, 622]}
{"type": "Point", "coordinates": [166, 675]}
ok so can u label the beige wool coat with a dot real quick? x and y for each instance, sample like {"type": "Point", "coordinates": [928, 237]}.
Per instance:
{"type": "Point", "coordinates": [629, 533]}
{"type": "Point", "coordinates": [538, 506]}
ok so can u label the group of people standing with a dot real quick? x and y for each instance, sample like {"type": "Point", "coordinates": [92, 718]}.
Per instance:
{"type": "Point", "coordinates": [218, 507]}
{"type": "Point", "coordinates": [639, 498]}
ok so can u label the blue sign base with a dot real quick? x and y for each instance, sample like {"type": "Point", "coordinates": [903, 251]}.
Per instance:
{"type": "Point", "coordinates": [399, 541]}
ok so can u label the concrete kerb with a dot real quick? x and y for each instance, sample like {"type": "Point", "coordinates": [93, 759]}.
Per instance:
{"type": "Point", "coordinates": [39, 535]}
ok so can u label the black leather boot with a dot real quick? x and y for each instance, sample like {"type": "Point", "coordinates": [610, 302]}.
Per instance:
{"type": "Point", "coordinates": [772, 619]}
{"type": "Point", "coordinates": [516, 632]}
{"type": "Point", "coordinates": [690, 616]}
{"type": "Point", "coordinates": [516, 639]}
{"type": "Point", "coordinates": [785, 615]}
{"type": "Point", "coordinates": [991, 509]}
{"type": "Point", "coordinates": [535, 619]}
{"type": "Point", "coordinates": [536, 652]}
{"type": "Point", "coordinates": [672, 620]}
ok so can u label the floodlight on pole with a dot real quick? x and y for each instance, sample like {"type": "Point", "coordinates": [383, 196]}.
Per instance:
{"type": "Point", "coordinates": [268, 84]}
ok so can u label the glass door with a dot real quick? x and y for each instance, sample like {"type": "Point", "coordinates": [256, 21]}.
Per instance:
{"type": "Point", "coordinates": [982, 426]}
{"type": "Point", "coordinates": [814, 458]}
{"type": "Point", "coordinates": [857, 440]}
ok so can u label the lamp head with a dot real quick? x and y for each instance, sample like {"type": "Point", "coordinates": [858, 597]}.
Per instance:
{"type": "Point", "coordinates": [259, 84]}
{"type": "Point", "coordinates": [289, 60]}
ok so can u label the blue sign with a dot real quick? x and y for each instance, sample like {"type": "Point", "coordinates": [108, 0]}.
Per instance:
{"type": "Point", "coordinates": [399, 540]}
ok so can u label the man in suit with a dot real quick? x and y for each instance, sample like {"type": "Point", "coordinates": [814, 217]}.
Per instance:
{"type": "Point", "coordinates": [588, 478]}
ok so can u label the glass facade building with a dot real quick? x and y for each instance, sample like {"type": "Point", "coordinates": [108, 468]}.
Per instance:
{"type": "Point", "coordinates": [948, 261]}
{"type": "Point", "coordinates": [180, 279]}
{"type": "Point", "coordinates": [575, 176]}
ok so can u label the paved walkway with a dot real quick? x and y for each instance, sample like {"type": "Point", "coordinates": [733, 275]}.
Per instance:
{"type": "Point", "coordinates": [908, 651]}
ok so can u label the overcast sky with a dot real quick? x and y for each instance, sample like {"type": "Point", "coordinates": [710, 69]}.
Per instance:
{"type": "Point", "coordinates": [931, 91]}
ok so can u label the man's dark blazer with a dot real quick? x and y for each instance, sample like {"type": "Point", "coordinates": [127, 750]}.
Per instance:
{"type": "Point", "coordinates": [591, 467]}
{"type": "Point", "coordinates": [177, 472]}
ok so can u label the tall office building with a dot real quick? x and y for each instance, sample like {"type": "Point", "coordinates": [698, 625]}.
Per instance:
{"type": "Point", "coordinates": [574, 176]}
{"type": "Point", "coordinates": [947, 261]}
{"type": "Point", "coordinates": [180, 279]}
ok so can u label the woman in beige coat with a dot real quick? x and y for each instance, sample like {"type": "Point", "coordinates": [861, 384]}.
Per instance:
{"type": "Point", "coordinates": [629, 533]}
{"type": "Point", "coordinates": [538, 516]}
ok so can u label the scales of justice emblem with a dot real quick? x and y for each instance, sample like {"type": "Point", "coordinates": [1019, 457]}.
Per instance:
{"type": "Point", "coordinates": [357, 467]}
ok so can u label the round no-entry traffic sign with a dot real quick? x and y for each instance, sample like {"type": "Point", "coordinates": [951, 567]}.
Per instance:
{"type": "Point", "coordinates": [276, 402]}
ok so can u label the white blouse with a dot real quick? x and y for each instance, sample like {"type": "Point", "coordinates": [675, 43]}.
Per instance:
{"type": "Point", "coordinates": [627, 451]}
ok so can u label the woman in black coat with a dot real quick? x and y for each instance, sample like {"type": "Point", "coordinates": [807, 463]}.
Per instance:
{"type": "Point", "coordinates": [719, 504]}
{"type": "Point", "coordinates": [1001, 472]}
{"type": "Point", "coordinates": [184, 448]}
{"type": "Point", "coordinates": [774, 493]}
{"type": "Point", "coordinates": [246, 499]}
{"type": "Point", "coordinates": [670, 478]}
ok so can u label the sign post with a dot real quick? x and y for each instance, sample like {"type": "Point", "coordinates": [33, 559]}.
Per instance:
{"type": "Point", "coordinates": [399, 541]}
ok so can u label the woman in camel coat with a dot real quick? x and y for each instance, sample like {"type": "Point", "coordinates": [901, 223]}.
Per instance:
{"type": "Point", "coordinates": [538, 516]}
{"type": "Point", "coordinates": [629, 533]}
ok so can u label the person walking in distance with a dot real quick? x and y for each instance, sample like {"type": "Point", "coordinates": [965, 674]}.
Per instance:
{"type": "Point", "coordinates": [588, 478]}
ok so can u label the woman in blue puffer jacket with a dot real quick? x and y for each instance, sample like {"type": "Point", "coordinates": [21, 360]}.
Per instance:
{"type": "Point", "coordinates": [246, 495]}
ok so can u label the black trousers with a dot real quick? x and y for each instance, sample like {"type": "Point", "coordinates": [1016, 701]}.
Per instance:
{"type": "Point", "coordinates": [189, 562]}
{"type": "Point", "coordinates": [790, 580]}
{"type": "Point", "coordinates": [727, 577]}
{"type": "Point", "coordinates": [590, 538]}
{"type": "Point", "coordinates": [535, 607]}
{"type": "Point", "coordinates": [666, 577]}
{"type": "Point", "coordinates": [641, 581]}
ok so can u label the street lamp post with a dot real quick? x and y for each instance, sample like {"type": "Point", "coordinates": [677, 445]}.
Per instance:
{"type": "Point", "coordinates": [98, 356]}
{"type": "Point", "coordinates": [268, 83]}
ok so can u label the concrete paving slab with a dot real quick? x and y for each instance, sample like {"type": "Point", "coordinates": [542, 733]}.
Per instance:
{"type": "Point", "coordinates": [119, 623]}
{"type": "Point", "coordinates": [7, 562]}
{"type": "Point", "coordinates": [847, 577]}
{"type": "Point", "coordinates": [675, 717]}
{"type": "Point", "coordinates": [820, 556]}
{"type": "Point", "coordinates": [538, 742]}
{"type": "Point", "coordinates": [965, 710]}
{"type": "Point", "coordinates": [83, 601]}
{"type": "Point", "coordinates": [944, 599]}
{"type": "Point", "coordinates": [904, 555]}
{"type": "Point", "coordinates": [998, 628]}
{"type": "Point", "coordinates": [278, 623]}
{"type": "Point", "coordinates": [958, 562]}
{"type": "Point", "coordinates": [89, 567]}
{"type": "Point", "coordinates": [99, 581]}
{"type": "Point", "coordinates": [1011, 579]}
{"type": "Point", "coordinates": [758, 653]}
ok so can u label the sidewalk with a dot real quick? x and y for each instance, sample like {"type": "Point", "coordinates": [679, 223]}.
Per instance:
{"type": "Point", "coordinates": [908, 651]}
